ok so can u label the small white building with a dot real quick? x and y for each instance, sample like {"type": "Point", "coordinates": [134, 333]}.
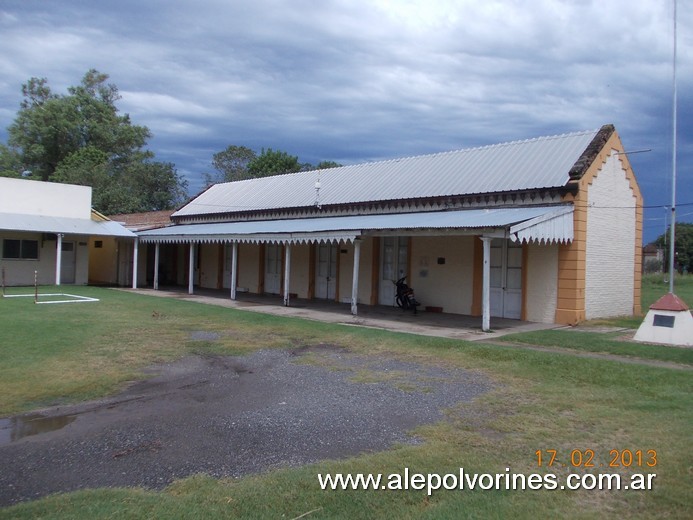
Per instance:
{"type": "Point", "coordinates": [49, 229]}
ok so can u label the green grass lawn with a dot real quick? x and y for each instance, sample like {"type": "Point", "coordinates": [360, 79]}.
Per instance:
{"type": "Point", "coordinates": [603, 343]}
{"type": "Point", "coordinates": [51, 354]}
{"type": "Point", "coordinates": [653, 288]}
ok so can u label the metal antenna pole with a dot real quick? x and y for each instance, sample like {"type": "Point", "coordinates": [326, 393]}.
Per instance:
{"type": "Point", "coordinates": [672, 249]}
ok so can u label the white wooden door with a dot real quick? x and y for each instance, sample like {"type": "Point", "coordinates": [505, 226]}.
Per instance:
{"type": "Point", "coordinates": [68, 262]}
{"type": "Point", "coordinates": [512, 301]}
{"type": "Point", "coordinates": [326, 272]}
{"type": "Point", "coordinates": [506, 279]}
{"type": "Point", "coordinates": [124, 263]}
{"type": "Point", "coordinates": [273, 268]}
{"type": "Point", "coordinates": [393, 266]}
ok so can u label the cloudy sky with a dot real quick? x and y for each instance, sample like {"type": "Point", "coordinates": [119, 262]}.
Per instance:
{"type": "Point", "coordinates": [356, 80]}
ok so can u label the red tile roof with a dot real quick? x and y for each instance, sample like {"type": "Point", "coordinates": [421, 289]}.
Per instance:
{"type": "Point", "coordinates": [669, 302]}
{"type": "Point", "coordinates": [146, 220]}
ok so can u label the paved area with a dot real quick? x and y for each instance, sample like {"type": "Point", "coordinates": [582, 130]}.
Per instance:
{"type": "Point", "coordinates": [453, 326]}
{"type": "Point", "coordinates": [228, 416]}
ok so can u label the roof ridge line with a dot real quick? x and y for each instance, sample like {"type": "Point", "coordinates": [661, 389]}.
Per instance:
{"type": "Point", "coordinates": [485, 146]}
{"type": "Point", "coordinates": [445, 152]}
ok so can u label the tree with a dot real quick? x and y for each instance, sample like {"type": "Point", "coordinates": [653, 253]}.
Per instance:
{"type": "Point", "coordinates": [81, 138]}
{"type": "Point", "coordinates": [10, 162]}
{"type": "Point", "coordinates": [237, 163]}
{"type": "Point", "coordinates": [324, 165]}
{"type": "Point", "coordinates": [683, 247]}
{"type": "Point", "coordinates": [271, 162]}
{"type": "Point", "coordinates": [152, 184]}
{"type": "Point", "coordinates": [233, 162]}
{"type": "Point", "coordinates": [127, 186]}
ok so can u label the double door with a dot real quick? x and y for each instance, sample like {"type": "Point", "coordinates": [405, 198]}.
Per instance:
{"type": "Point", "coordinates": [394, 256]}
{"type": "Point", "coordinates": [506, 279]}
{"type": "Point", "coordinates": [326, 271]}
{"type": "Point", "coordinates": [273, 268]}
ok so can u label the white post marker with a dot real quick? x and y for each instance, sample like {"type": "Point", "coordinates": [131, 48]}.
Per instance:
{"type": "Point", "coordinates": [156, 266]}
{"type": "Point", "coordinates": [486, 287]}
{"type": "Point", "coordinates": [355, 277]}
{"type": "Point", "coordinates": [135, 254]}
{"type": "Point", "coordinates": [58, 258]}
{"type": "Point", "coordinates": [191, 267]}
{"type": "Point", "coordinates": [287, 271]}
{"type": "Point", "coordinates": [234, 269]}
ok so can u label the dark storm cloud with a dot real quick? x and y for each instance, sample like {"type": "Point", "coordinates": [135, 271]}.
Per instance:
{"type": "Point", "coordinates": [353, 81]}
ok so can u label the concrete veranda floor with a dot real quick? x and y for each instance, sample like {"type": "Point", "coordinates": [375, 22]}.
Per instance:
{"type": "Point", "coordinates": [381, 317]}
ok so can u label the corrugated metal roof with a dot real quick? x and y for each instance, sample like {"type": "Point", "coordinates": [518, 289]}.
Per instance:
{"type": "Point", "coordinates": [550, 227]}
{"type": "Point", "coordinates": [348, 227]}
{"type": "Point", "coordinates": [520, 165]}
{"type": "Point", "coordinates": [73, 226]}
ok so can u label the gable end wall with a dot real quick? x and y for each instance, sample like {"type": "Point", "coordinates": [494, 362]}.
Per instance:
{"type": "Point", "coordinates": [572, 258]}
{"type": "Point", "coordinates": [610, 243]}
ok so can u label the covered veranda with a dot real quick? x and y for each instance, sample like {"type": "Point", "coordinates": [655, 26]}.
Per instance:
{"type": "Point", "coordinates": [453, 326]}
{"type": "Point", "coordinates": [538, 223]}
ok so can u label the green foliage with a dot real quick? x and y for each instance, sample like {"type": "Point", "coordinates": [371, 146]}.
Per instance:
{"type": "Point", "coordinates": [324, 165]}
{"type": "Point", "coordinates": [237, 163]}
{"type": "Point", "coordinates": [151, 185]}
{"type": "Point", "coordinates": [271, 162]}
{"type": "Point", "coordinates": [130, 185]}
{"type": "Point", "coordinates": [232, 163]}
{"type": "Point", "coordinates": [10, 162]}
{"type": "Point", "coordinates": [87, 166]}
{"type": "Point", "coordinates": [81, 138]}
{"type": "Point", "coordinates": [683, 247]}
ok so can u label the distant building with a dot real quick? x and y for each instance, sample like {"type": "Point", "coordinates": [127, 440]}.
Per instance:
{"type": "Point", "coordinates": [652, 259]}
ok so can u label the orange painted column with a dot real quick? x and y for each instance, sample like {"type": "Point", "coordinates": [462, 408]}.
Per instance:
{"type": "Point", "coordinates": [570, 306]}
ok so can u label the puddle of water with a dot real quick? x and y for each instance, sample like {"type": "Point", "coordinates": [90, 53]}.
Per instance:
{"type": "Point", "coordinates": [15, 428]}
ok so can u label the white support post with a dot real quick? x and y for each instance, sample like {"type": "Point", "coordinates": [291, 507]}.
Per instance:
{"type": "Point", "coordinates": [287, 272]}
{"type": "Point", "coordinates": [135, 254]}
{"type": "Point", "coordinates": [486, 287]}
{"type": "Point", "coordinates": [234, 269]}
{"type": "Point", "coordinates": [355, 277]}
{"type": "Point", "coordinates": [58, 258]}
{"type": "Point", "coordinates": [156, 266]}
{"type": "Point", "coordinates": [191, 267]}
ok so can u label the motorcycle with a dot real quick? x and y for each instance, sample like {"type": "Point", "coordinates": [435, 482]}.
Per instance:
{"type": "Point", "coordinates": [405, 296]}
